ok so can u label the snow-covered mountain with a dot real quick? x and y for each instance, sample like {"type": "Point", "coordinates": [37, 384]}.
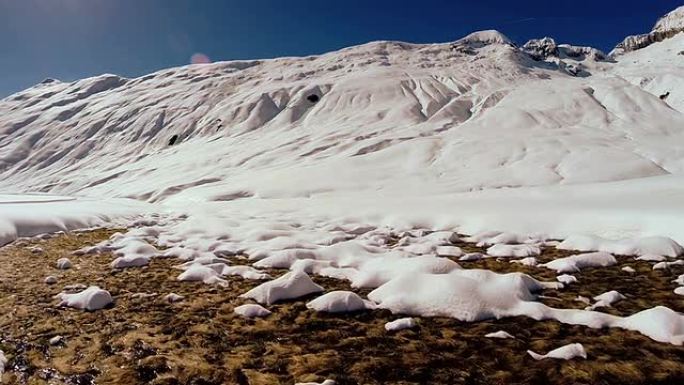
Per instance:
{"type": "Point", "coordinates": [413, 121]}
{"type": "Point", "coordinates": [666, 27]}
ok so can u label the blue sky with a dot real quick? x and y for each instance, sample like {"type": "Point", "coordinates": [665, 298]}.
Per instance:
{"type": "Point", "coordinates": [72, 39]}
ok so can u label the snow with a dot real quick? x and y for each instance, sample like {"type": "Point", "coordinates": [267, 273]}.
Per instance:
{"type": "Point", "coordinates": [56, 340]}
{"type": "Point", "coordinates": [472, 257]}
{"type": "Point", "coordinates": [652, 258]}
{"type": "Point", "coordinates": [645, 246]}
{"type": "Point", "coordinates": [3, 362]}
{"type": "Point", "coordinates": [64, 264]}
{"type": "Point", "coordinates": [326, 382]}
{"type": "Point", "coordinates": [502, 334]}
{"type": "Point", "coordinates": [659, 323]}
{"type": "Point", "coordinates": [680, 280]}
{"type": "Point", "coordinates": [628, 269]}
{"type": "Point", "coordinates": [251, 311]}
{"type": "Point", "coordinates": [288, 286]}
{"type": "Point", "coordinates": [607, 299]}
{"type": "Point", "coordinates": [467, 295]}
{"type": "Point", "coordinates": [202, 273]}
{"type": "Point", "coordinates": [401, 324]}
{"type": "Point", "coordinates": [566, 352]}
{"type": "Point", "coordinates": [566, 279]}
{"type": "Point", "coordinates": [408, 146]}
{"type": "Point", "coordinates": [529, 261]}
{"type": "Point", "coordinates": [92, 298]}
{"type": "Point", "coordinates": [679, 290]}
{"type": "Point", "coordinates": [339, 302]}
{"type": "Point", "coordinates": [666, 265]}
{"type": "Point", "coordinates": [578, 262]}
{"type": "Point", "coordinates": [28, 215]}
{"type": "Point", "coordinates": [448, 251]}
{"type": "Point", "coordinates": [673, 20]}
{"type": "Point", "coordinates": [517, 251]}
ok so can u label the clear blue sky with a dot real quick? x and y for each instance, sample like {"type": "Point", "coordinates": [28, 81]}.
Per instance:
{"type": "Point", "coordinates": [72, 39]}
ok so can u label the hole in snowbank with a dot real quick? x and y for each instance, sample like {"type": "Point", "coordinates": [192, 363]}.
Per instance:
{"type": "Point", "coordinates": [173, 140]}
{"type": "Point", "coordinates": [313, 98]}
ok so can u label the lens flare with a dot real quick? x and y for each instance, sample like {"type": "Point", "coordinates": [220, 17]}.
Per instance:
{"type": "Point", "coordinates": [199, 58]}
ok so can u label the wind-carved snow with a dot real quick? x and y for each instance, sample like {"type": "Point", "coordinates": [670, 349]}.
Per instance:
{"type": "Point", "coordinates": [362, 165]}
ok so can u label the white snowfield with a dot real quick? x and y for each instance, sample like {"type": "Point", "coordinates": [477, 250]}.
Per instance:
{"type": "Point", "coordinates": [364, 164]}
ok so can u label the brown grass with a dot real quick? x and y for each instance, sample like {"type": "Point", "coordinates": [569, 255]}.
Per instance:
{"type": "Point", "coordinates": [200, 340]}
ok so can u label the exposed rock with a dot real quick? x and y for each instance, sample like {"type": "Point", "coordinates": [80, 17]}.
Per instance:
{"type": "Point", "coordinates": [666, 27]}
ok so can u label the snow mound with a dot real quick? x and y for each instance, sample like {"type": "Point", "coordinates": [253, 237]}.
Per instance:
{"type": "Point", "coordinates": [679, 290]}
{"type": "Point", "coordinates": [400, 324]}
{"type": "Point", "coordinates": [566, 279]}
{"type": "Point", "coordinates": [628, 269]}
{"type": "Point", "coordinates": [515, 251]}
{"type": "Point", "coordinates": [566, 352]}
{"type": "Point", "coordinates": [449, 251]}
{"type": "Point", "coordinates": [92, 298]}
{"type": "Point", "coordinates": [651, 258]}
{"type": "Point", "coordinates": [637, 247]}
{"type": "Point", "coordinates": [252, 311]}
{"type": "Point", "coordinates": [207, 274]}
{"type": "Point", "coordinates": [659, 323]}
{"type": "Point", "coordinates": [339, 302]}
{"type": "Point", "coordinates": [667, 265]}
{"type": "Point", "coordinates": [529, 261]}
{"type": "Point", "coordinates": [467, 295]}
{"type": "Point", "coordinates": [472, 257]}
{"type": "Point", "coordinates": [680, 280]}
{"type": "Point", "coordinates": [575, 263]}
{"type": "Point", "coordinates": [499, 334]}
{"type": "Point", "coordinates": [289, 286]}
{"type": "Point", "coordinates": [607, 299]}
{"type": "Point", "coordinates": [132, 251]}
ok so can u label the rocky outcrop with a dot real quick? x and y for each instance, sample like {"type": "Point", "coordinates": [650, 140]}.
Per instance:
{"type": "Point", "coordinates": [666, 27]}
{"type": "Point", "coordinates": [541, 49]}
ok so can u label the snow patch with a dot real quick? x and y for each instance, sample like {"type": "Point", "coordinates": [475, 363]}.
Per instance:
{"type": "Point", "coordinates": [566, 352]}
{"type": "Point", "coordinates": [92, 298]}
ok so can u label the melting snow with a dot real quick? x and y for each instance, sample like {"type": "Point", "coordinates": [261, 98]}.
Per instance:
{"type": "Point", "coordinates": [339, 302]}
{"type": "Point", "coordinates": [291, 285]}
{"type": "Point", "coordinates": [92, 298]}
{"type": "Point", "coordinates": [400, 324]}
{"type": "Point", "coordinates": [251, 311]}
{"type": "Point", "coordinates": [566, 352]}
{"type": "Point", "coordinates": [576, 263]}
{"type": "Point", "coordinates": [499, 334]}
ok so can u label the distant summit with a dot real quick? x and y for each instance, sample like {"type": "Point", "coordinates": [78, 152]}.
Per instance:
{"type": "Point", "coordinates": [665, 28]}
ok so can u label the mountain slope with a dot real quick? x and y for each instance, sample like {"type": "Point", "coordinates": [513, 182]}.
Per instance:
{"type": "Point", "coordinates": [385, 121]}
{"type": "Point", "coordinates": [389, 115]}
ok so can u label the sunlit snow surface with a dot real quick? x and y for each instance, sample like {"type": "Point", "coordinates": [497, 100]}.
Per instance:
{"type": "Point", "coordinates": [364, 165]}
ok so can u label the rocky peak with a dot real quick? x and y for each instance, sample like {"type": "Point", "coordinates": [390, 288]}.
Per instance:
{"type": "Point", "coordinates": [541, 49]}
{"type": "Point", "coordinates": [665, 28]}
